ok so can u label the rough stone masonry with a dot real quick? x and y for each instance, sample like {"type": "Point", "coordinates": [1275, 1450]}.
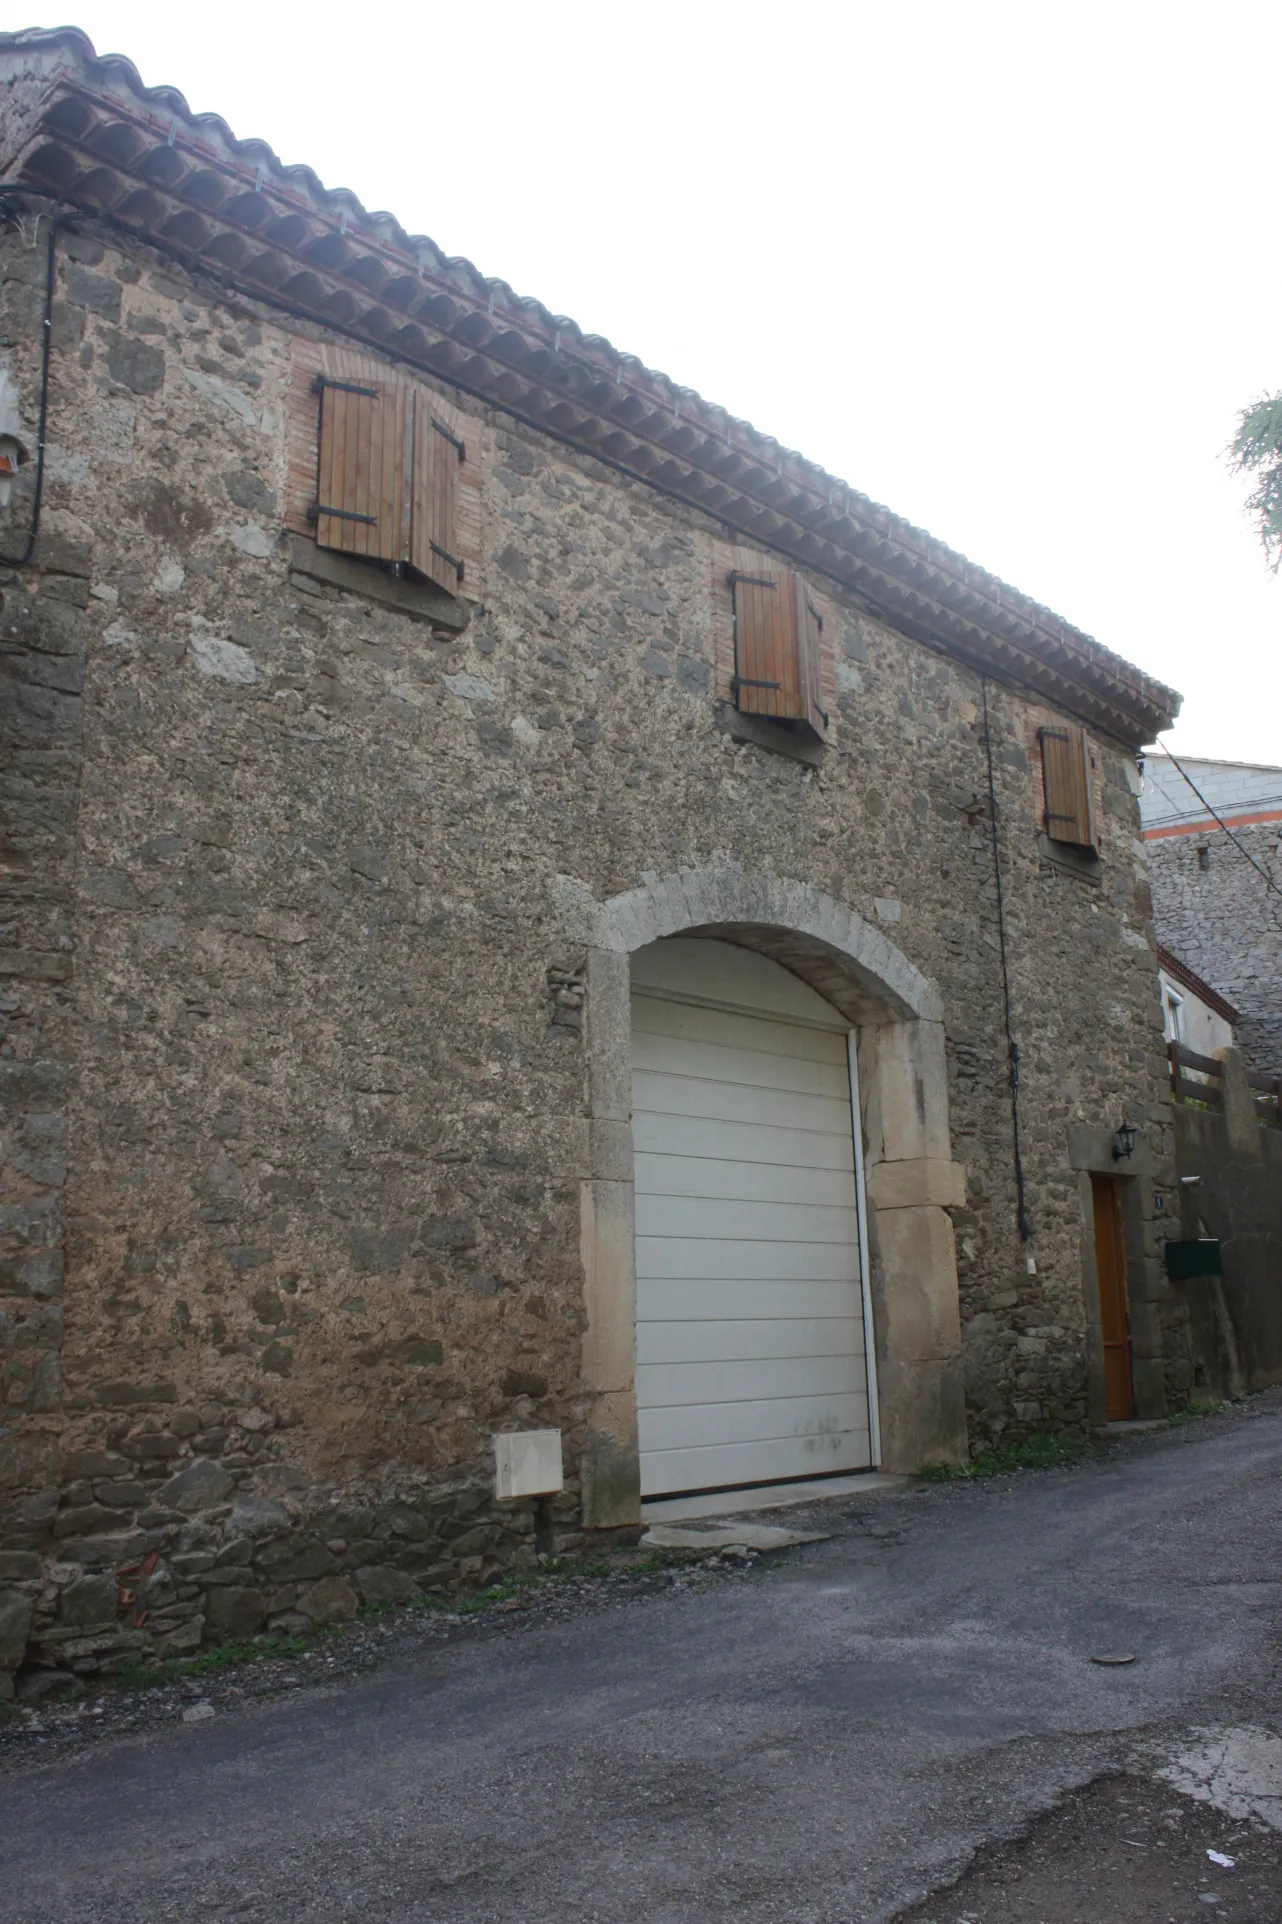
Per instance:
{"type": "Point", "coordinates": [1216, 912]}
{"type": "Point", "coordinates": [297, 1108]}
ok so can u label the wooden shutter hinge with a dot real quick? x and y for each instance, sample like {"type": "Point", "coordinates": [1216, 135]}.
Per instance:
{"type": "Point", "coordinates": [753, 581]}
{"type": "Point", "coordinates": [451, 438]}
{"type": "Point", "coordinates": [745, 681]}
{"type": "Point", "coordinates": [323, 381]}
{"type": "Point", "coordinates": [452, 560]}
{"type": "Point", "coordinates": [316, 510]}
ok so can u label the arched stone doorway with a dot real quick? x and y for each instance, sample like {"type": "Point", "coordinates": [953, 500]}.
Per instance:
{"type": "Point", "coordinates": [895, 1017]}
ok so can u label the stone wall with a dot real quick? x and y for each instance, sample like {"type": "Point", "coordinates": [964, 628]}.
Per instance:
{"type": "Point", "coordinates": [1213, 910]}
{"type": "Point", "coordinates": [292, 966]}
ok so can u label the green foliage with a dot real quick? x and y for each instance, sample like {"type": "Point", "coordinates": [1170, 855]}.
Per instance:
{"type": "Point", "coordinates": [226, 1656]}
{"type": "Point", "coordinates": [518, 1583]}
{"type": "Point", "coordinates": [1040, 1452]}
{"type": "Point", "coordinates": [207, 1663]}
{"type": "Point", "coordinates": [141, 1676]}
{"type": "Point", "coordinates": [1256, 449]}
{"type": "Point", "coordinates": [1193, 1413]}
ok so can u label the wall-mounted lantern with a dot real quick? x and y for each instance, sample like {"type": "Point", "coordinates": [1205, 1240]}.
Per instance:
{"type": "Point", "coordinates": [1124, 1141]}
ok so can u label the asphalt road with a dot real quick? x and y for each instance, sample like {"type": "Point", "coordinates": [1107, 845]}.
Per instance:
{"type": "Point", "coordinates": [826, 1739]}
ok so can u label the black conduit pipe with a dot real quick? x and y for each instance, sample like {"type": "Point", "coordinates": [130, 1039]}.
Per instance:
{"type": "Point", "coordinates": [1012, 1047]}
{"type": "Point", "coordinates": [21, 560]}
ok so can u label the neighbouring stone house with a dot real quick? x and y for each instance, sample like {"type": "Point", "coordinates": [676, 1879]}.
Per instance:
{"type": "Point", "coordinates": [1213, 905]}
{"type": "Point", "coordinates": [481, 821]}
{"type": "Point", "coordinates": [1193, 1013]}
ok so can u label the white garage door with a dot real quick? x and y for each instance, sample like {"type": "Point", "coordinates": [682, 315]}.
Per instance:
{"type": "Point", "coordinates": [750, 1312]}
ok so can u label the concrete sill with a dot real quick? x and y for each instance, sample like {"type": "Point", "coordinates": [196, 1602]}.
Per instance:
{"type": "Point", "coordinates": [420, 600]}
{"type": "Point", "coordinates": [776, 738]}
{"type": "Point", "coordinates": [1077, 862]}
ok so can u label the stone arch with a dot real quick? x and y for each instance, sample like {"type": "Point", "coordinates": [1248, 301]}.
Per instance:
{"type": "Point", "coordinates": [724, 900]}
{"type": "Point", "coordinates": [911, 1178]}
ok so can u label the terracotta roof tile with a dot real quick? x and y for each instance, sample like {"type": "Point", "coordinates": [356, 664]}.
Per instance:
{"type": "Point", "coordinates": [343, 264]}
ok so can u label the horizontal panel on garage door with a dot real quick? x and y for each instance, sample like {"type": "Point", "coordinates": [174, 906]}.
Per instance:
{"type": "Point", "coordinates": [727, 1141]}
{"type": "Point", "coordinates": [678, 1299]}
{"type": "Point", "coordinates": [690, 1096]}
{"type": "Point", "coordinates": [750, 1379]}
{"type": "Point", "coordinates": [777, 1418]}
{"type": "Point", "coordinates": [733, 1181]}
{"type": "Point", "coordinates": [733, 1465]}
{"type": "Point", "coordinates": [694, 1259]}
{"type": "Point", "coordinates": [708, 1218]}
{"type": "Point", "coordinates": [717, 1028]}
{"type": "Point", "coordinates": [694, 1340]}
{"type": "Point", "coordinates": [695, 969]}
{"type": "Point", "coordinates": [682, 1056]}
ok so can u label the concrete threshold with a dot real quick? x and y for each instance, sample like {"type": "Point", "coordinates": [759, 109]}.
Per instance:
{"type": "Point", "coordinates": [1134, 1426]}
{"type": "Point", "coordinates": [771, 1496]}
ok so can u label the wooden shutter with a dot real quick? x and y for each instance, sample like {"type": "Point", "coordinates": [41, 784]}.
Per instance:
{"type": "Point", "coordinates": [364, 467]}
{"type": "Point", "coordinates": [777, 647]}
{"type": "Point", "coordinates": [1066, 774]}
{"type": "Point", "coordinates": [438, 456]}
{"type": "Point", "coordinates": [809, 632]}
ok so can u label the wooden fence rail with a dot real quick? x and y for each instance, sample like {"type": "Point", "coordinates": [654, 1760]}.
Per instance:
{"type": "Point", "coordinates": [1197, 1078]}
{"type": "Point", "coordinates": [1203, 1085]}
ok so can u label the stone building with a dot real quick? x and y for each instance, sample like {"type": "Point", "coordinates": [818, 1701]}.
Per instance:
{"type": "Point", "coordinates": [1192, 1013]}
{"type": "Point", "coordinates": [434, 740]}
{"type": "Point", "coordinates": [1213, 905]}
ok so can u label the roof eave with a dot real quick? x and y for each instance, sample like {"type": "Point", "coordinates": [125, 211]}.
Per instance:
{"type": "Point", "coordinates": [138, 157]}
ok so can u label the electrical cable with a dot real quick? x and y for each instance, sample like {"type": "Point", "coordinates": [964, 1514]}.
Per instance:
{"type": "Point", "coordinates": [20, 561]}
{"type": "Point", "coordinates": [1012, 1047]}
{"type": "Point", "coordinates": [1263, 873]}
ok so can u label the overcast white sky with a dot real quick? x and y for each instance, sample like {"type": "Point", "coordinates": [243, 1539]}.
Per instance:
{"type": "Point", "coordinates": [1011, 269]}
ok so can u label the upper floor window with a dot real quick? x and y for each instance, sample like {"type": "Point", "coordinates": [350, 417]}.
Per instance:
{"type": "Point", "coordinates": [777, 661]}
{"type": "Point", "coordinates": [1066, 776]}
{"type": "Point", "coordinates": [387, 475]}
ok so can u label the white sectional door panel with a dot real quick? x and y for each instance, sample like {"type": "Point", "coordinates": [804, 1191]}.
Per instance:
{"type": "Point", "coordinates": [750, 1325]}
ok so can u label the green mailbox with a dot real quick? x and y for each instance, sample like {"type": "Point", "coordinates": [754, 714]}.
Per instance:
{"type": "Point", "coordinates": [1200, 1256]}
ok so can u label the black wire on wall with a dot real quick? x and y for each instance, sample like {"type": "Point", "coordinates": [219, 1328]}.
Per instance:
{"type": "Point", "coordinates": [21, 560]}
{"type": "Point", "coordinates": [1012, 1047]}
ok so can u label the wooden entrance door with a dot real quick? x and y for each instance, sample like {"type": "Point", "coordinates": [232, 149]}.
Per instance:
{"type": "Point", "coordinates": [1115, 1322]}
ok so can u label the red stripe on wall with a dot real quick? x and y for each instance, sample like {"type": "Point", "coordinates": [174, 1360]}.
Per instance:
{"type": "Point", "coordinates": [1200, 828]}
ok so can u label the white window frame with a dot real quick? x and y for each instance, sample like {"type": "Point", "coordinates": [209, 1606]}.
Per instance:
{"type": "Point", "coordinates": [1173, 1011]}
